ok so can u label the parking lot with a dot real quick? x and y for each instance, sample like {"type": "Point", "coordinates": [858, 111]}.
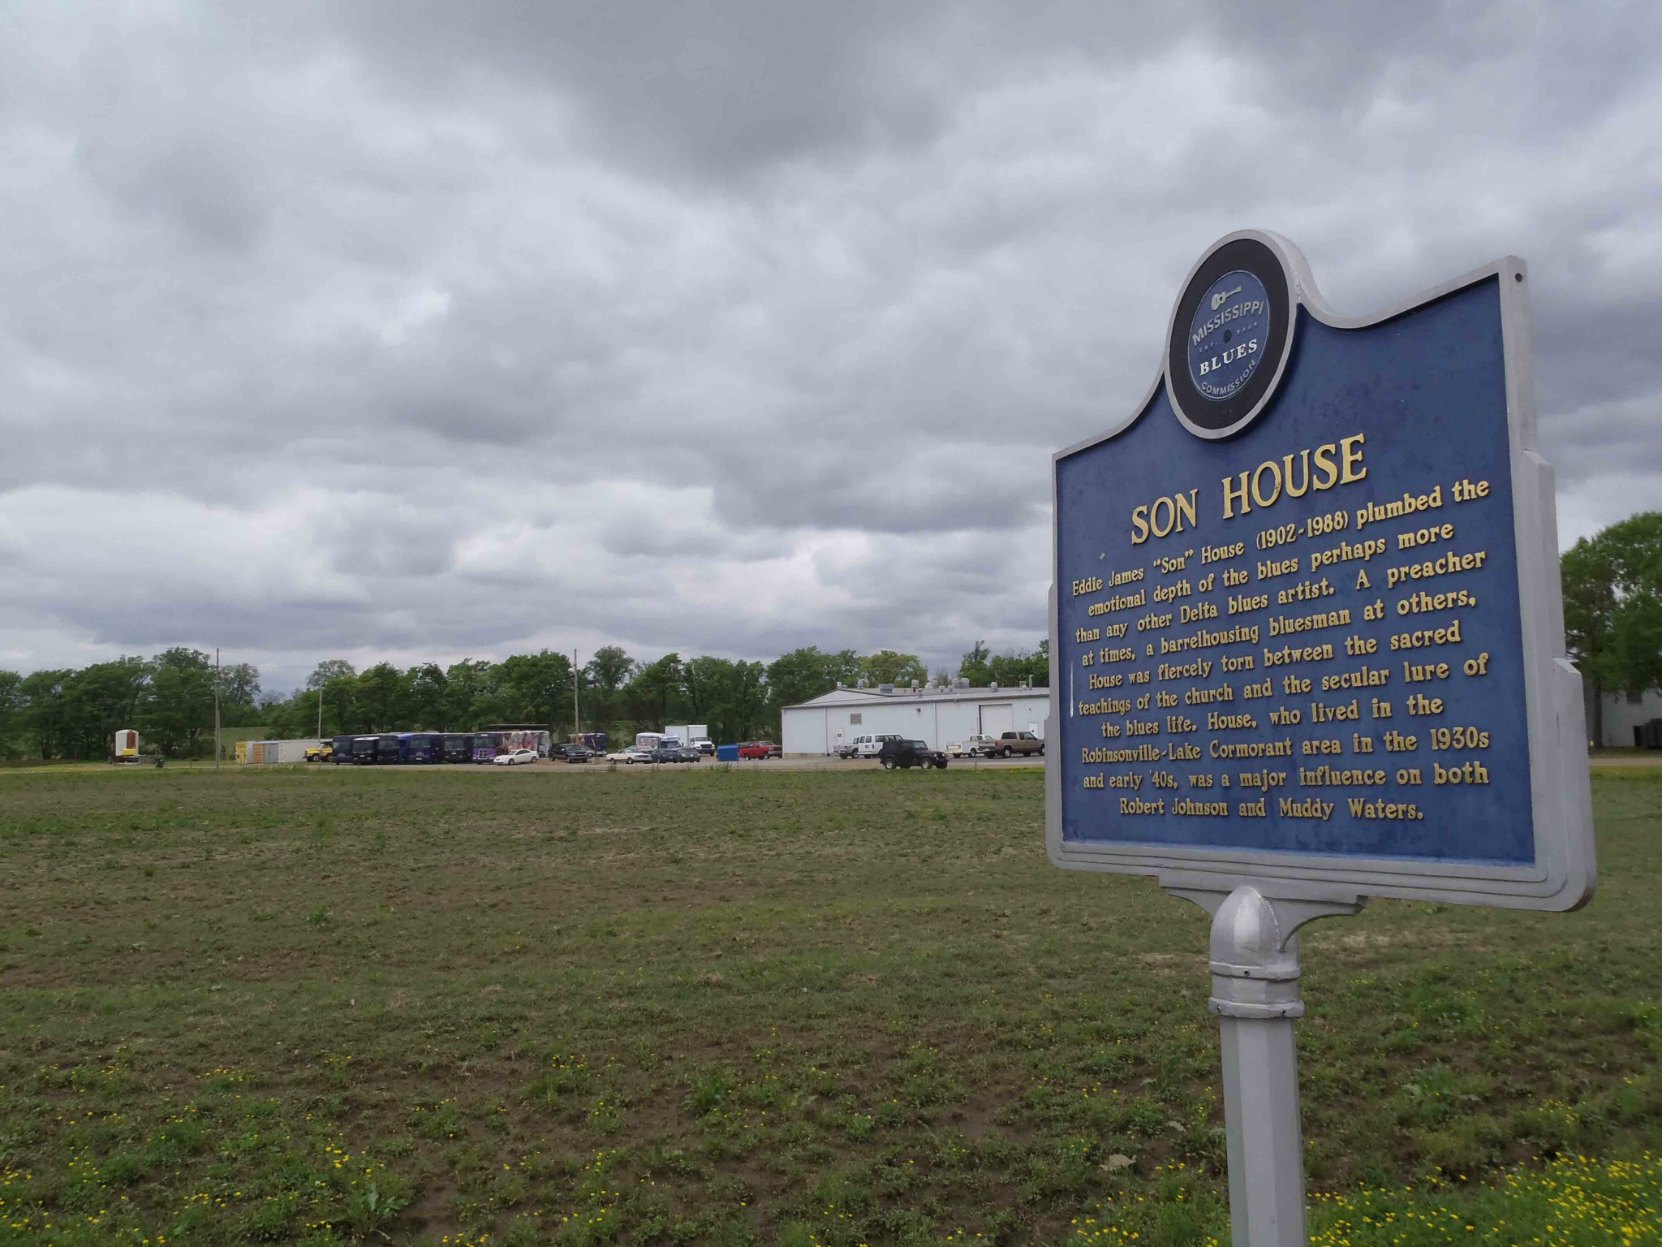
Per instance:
{"type": "Point", "coordinates": [790, 762]}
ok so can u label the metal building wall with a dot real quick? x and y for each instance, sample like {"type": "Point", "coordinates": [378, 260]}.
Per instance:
{"type": "Point", "coordinates": [1622, 714]}
{"type": "Point", "coordinates": [940, 721]}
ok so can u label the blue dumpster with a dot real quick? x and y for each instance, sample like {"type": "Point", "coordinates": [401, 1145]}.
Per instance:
{"type": "Point", "coordinates": [727, 753]}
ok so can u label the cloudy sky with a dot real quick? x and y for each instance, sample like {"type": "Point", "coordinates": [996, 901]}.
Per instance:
{"type": "Point", "coordinates": [402, 329]}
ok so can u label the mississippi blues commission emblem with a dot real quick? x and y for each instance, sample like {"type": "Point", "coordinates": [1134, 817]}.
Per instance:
{"type": "Point", "coordinates": [1231, 333]}
{"type": "Point", "coordinates": [1228, 335]}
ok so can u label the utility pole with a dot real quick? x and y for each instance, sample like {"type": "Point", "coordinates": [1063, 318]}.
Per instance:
{"type": "Point", "coordinates": [576, 716]}
{"type": "Point", "coordinates": [320, 712]}
{"type": "Point", "coordinates": [216, 708]}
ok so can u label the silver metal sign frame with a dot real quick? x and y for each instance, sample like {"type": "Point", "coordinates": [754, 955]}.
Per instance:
{"type": "Point", "coordinates": [1563, 875]}
{"type": "Point", "coordinates": [1260, 900]}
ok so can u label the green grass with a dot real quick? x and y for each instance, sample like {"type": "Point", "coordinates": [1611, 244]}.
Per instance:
{"type": "Point", "coordinates": [1569, 1200]}
{"type": "Point", "coordinates": [329, 1006]}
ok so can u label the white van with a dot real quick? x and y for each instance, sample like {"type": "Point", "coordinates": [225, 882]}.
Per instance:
{"type": "Point", "coordinates": [869, 746]}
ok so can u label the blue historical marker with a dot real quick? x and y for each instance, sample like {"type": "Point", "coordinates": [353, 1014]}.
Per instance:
{"type": "Point", "coordinates": [1307, 622]}
{"type": "Point", "coordinates": [1307, 645]}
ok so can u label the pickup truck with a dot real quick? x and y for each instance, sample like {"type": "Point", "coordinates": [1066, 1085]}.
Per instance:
{"type": "Point", "coordinates": [973, 747]}
{"type": "Point", "coordinates": [324, 752]}
{"type": "Point", "coordinates": [1024, 743]}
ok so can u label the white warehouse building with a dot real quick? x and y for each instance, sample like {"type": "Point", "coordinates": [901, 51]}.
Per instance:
{"type": "Point", "coordinates": [939, 716]}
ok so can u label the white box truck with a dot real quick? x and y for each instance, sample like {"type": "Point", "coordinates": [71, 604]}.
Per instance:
{"type": "Point", "coordinates": [695, 734]}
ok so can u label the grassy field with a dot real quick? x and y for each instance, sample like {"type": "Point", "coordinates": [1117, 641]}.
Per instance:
{"type": "Point", "coordinates": [812, 1008]}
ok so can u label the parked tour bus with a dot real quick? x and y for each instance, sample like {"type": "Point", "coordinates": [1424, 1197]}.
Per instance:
{"type": "Point", "coordinates": [520, 736]}
{"type": "Point", "coordinates": [538, 739]}
{"type": "Point", "coordinates": [432, 747]}
{"type": "Point", "coordinates": [422, 747]}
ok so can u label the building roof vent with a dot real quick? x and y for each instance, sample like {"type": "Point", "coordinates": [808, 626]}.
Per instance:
{"type": "Point", "coordinates": [860, 683]}
{"type": "Point", "coordinates": [885, 688]}
{"type": "Point", "coordinates": [993, 686]}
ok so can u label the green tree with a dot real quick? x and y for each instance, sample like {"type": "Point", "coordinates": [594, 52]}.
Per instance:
{"type": "Point", "coordinates": [888, 667]}
{"type": "Point", "coordinates": [382, 693]}
{"type": "Point", "coordinates": [329, 670]}
{"type": "Point", "coordinates": [806, 673]}
{"type": "Point", "coordinates": [12, 704]}
{"type": "Point", "coordinates": [472, 695]}
{"type": "Point", "coordinates": [426, 698]}
{"type": "Point", "coordinates": [1012, 670]}
{"type": "Point", "coordinates": [729, 696]}
{"type": "Point", "coordinates": [657, 691]}
{"type": "Point", "coordinates": [609, 669]}
{"type": "Point", "coordinates": [100, 699]}
{"type": "Point", "coordinates": [239, 692]}
{"type": "Point", "coordinates": [286, 718]}
{"type": "Point", "coordinates": [604, 678]}
{"type": "Point", "coordinates": [179, 710]}
{"type": "Point", "coordinates": [341, 715]}
{"type": "Point", "coordinates": [974, 666]}
{"type": "Point", "coordinates": [1613, 608]}
{"type": "Point", "coordinates": [45, 716]}
{"type": "Point", "coordinates": [536, 688]}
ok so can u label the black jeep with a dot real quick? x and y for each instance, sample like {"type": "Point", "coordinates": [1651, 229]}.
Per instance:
{"type": "Point", "coordinates": [909, 753]}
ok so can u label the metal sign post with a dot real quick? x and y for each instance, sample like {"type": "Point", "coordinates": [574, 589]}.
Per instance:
{"type": "Point", "coordinates": [1307, 646]}
{"type": "Point", "coordinates": [1255, 995]}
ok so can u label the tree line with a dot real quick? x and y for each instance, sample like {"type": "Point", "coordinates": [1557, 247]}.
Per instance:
{"type": "Point", "coordinates": [169, 698]}
{"type": "Point", "coordinates": [1612, 586]}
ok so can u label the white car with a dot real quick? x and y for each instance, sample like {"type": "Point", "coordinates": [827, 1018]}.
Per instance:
{"type": "Point", "coordinates": [517, 757]}
{"type": "Point", "coordinates": [630, 756]}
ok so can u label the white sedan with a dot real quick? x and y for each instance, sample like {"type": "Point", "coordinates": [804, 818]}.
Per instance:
{"type": "Point", "coordinates": [630, 756]}
{"type": "Point", "coordinates": [516, 757]}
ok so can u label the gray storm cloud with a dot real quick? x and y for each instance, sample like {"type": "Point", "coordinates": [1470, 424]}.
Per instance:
{"type": "Point", "coordinates": [420, 330]}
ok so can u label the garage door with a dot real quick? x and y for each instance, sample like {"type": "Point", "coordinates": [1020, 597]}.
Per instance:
{"type": "Point", "coordinates": [995, 720]}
